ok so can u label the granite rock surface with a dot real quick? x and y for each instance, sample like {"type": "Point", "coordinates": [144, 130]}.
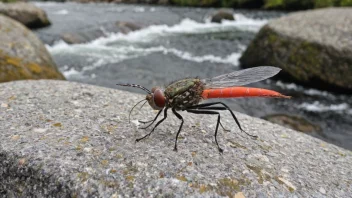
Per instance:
{"type": "Point", "coordinates": [63, 139]}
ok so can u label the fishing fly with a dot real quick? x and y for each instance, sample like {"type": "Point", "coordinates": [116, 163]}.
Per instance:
{"type": "Point", "coordinates": [188, 93]}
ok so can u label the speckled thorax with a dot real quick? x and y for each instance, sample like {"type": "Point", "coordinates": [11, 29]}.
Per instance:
{"type": "Point", "coordinates": [184, 93]}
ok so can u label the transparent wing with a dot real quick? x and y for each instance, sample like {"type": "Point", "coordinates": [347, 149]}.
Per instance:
{"type": "Point", "coordinates": [241, 77]}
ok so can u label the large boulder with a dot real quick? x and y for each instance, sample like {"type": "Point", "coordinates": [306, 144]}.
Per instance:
{"type": "Point", "coordinates": [22, 54]}
{"type": "Point", "coordinates": [67, 139]}
{"type": "Point", "coordinates": [26, 13]}
{"type": "Point", "coordinates": [312, 47]}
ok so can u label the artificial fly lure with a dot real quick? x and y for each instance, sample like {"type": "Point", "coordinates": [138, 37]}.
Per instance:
{"type": "Point", "coordinates": [187, 94]}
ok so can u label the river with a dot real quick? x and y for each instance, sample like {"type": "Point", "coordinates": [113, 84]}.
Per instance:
{"type": "Point", "coordinates": [181, 42]}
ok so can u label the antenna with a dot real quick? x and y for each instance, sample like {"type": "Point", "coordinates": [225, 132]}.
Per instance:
{"type": "Point", "coordinates": [134, 85]}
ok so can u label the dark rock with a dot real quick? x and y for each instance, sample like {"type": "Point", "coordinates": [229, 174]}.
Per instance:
{"type": "Point", "coordinates": [312, 48]}
{"type": "Point", "coordinates": [293, 122]}
{"type": "Point", "coordinates": [22, 54]}
{"type": "Point", "coordinates": [26, 13]}
{"type": "Point", "coordinates": [222, 15]}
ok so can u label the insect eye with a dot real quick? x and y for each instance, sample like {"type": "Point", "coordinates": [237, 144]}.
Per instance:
{"type": "Point", "coordinates": [159, 98]}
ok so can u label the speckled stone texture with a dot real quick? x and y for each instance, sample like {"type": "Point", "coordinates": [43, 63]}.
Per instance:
{"type": "Point", "coordinates": [64, 139]}
{"type": "Point", "coordinates": [312, 47]}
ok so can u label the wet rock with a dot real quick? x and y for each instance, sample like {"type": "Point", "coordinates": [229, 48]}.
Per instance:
{"type": "Point", "coordinates": [68, 139]}
{"type": "Point", "coordinates": [90, 34]}
{"type": "Point", "coordinates": [22, 54]}
{"type": "Point", "coordinates": [312, 47]}
{"type": "Point", "coordinates": [293, 122]}
{"type": "Point", "coordinates": [25, 13]}
{"type": "Point", "coordinates": [223, 14]}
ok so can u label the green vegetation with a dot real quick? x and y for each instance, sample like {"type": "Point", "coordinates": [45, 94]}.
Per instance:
{"type": "Point", "coordinates": [346, 3]}
{"type": "Point", "coordinates": [289, 4]}
{"type": "Point", "coordinates": [203, 3]}
{"type": "Point", "coordinates": [8, 1]}
{"type": "Point", "coordinates": [241, 3]}
{"type": "Point", "coordinates": [266, 4]}
{"type": "Point", "coordinates": [306, 4]}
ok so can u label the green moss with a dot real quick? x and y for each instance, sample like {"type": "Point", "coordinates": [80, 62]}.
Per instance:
{"type": "Point", "coordinates": [8, 1]}
{"type": "Point", "coordinates": [225, 186]}
{"type": "Point", "coordinates": [83, 176]}
{"type": "Point", "coordinates": [243, 3]}
{"type": "Point", "coordinates": [278, 180]}
{"type": "Point", "coordinates": [229, 3]}
{"type": "Point", "coordinates": [35, 68]}
{"type": "Point", "coordinates": [15, 68]}
{"type": "Point", "coordinates": [306, 4]}
{"type": "Point", "coordinates": [274, 4]}
{"type": "Point", "coordinates": [228, 187]}
{"type": "Point", "coordinates": [346, 3]}
{"type": "Point", "coordinates": [289, 4]}
{"type": "Point", "coordinates": [110, 184]}
{"type": "Point", "coordinates": [261, 175]}
{"type": "Point", "coordinates": [305, 55]}
{"type": "Point", "coordinates": [14, 61]}
{"type": "Point", "coordinates": [234, 144]}
{"type": "Point", "coordinates": [202, 3]}
{"type": "Point", "coordinates": [181, 178]}
{"type": "Point", "coordinates": [324, 3]}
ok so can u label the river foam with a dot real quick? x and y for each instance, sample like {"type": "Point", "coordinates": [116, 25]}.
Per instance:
{"type": "Point", "coordinates": [186, 26]}
{"type": "Point", "coordinates": [117, 47]}
{"type": "Point", "coordinates": [310, 92]}
{"type": "Point", "coordinates": [317, 106]}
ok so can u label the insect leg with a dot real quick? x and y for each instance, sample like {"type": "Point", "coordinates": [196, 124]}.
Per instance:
{"type": "Point", "coordinates": [213, 108]}
{"type": "Point", "coordinates": [160, 121]}
{"type": "Point", "coordinates": [202, 106]}
{"type": "Point", "coordinates": [179, 130]}
{"type": "Point", "coordinates": [216, 108]}
{"type": "Point", "coordinates": [217, 124]}
{"type": "Point", "coordinates": [150, 120]}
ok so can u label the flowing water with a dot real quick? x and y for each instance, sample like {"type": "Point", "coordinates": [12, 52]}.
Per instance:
{"type": "Point", "coordinates": [182, 42]}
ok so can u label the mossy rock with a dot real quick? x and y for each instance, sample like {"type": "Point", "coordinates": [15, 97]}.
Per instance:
{"type": "Point", "coordinates": [23, 55]}
{"type": "Point", "coordinates": [311, 47]}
